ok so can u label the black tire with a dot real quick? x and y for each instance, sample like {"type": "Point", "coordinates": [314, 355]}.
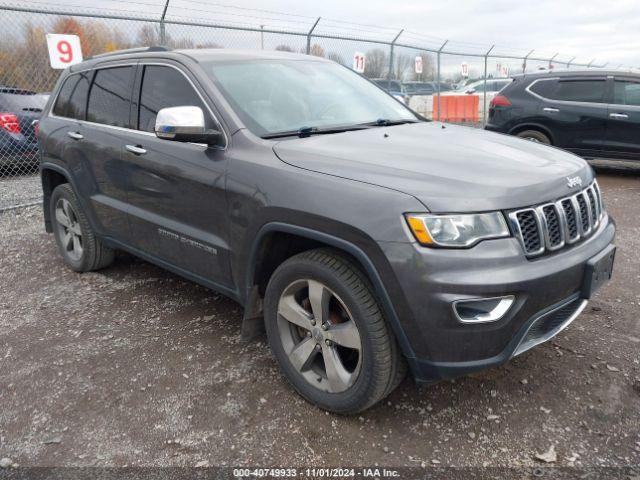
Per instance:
{"type": "Point", "coordinates": [94, 255]}
{"type": "Point", "coordinates": [534, 136]}
{"type": "Point", "coordinates": [381, 365]}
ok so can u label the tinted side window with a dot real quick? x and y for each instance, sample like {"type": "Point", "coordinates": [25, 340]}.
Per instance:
{"type": "Point", "coordinates": [626, 93]}
{"type": "Point", "coordinates": [62, 102]}
{"type": "Point", "coordinates": [110, 95]}
{"type": "Point", "coordinates": [544, 88]}
{"type": "Point", "coordinates": [78, 101]}
{"type": "Point", "coordinates": [164, 87]}
{"type": "Point", "coordinates": [590, 91]}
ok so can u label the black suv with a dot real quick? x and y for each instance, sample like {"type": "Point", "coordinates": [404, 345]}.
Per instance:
{"type": "Point", "coordinates": [363, 238]}
{"type": "Point", "coordinates": [592, 113]}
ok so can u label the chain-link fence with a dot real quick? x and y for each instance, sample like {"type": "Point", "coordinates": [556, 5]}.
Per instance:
{"type": "Point", "coordinates": [449, 70]}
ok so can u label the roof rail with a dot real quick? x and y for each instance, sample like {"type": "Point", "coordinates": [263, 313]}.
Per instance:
{"type": "Point", "coordinates": [154, 48]}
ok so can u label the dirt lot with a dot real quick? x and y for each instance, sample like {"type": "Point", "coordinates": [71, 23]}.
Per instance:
{"type": "Point", "coordinates": [134, 366]}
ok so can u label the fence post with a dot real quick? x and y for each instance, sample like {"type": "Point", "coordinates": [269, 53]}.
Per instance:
{"type": "Point", "coordinates": [309, 36]}
{"type": "Point", "coordinates": [484, 93]}
{"type": "Point", "coordinates": [551, 61]}
{"type": "Point", "coordinates": [589, 64]}
{"type": "Point", "coordinates": [390, 73]}
{"type": "Point", "coordinates": [438, 77]}
{"type": "Point", "coordinates": [261, 37]}
{"type": "Point", "coordinates": [570, 62]}
{"type": "Point", "coordinates": [524, 64]}
{"type": "Point", "coordinates": [163, 33]}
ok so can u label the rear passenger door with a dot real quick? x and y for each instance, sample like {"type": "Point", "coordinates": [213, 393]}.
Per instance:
{"type": "Point", "coordinates": [176, 190]}
{"type": "Point", "coordinates": [575, 111]}
{"type": "Point", "coordinates": [84, 148]}
{"type": "Point", "coordinates": [623, 132]}
{"type": "Point", "coordinates": [103, 132]}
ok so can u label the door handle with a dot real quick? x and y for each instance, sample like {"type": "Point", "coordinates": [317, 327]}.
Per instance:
{"type": "Point", "coordinates": [75, 135]}
{"type": "Point", "coordinates": [136, 150]}
{"type": "Point", "coordinates": [619, 115]}
{"type": "Point", "coordinates": [551, 110]}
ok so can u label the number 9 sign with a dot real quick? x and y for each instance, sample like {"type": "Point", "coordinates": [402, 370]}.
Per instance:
{"type": "Point", "coordinates": [64, 50]}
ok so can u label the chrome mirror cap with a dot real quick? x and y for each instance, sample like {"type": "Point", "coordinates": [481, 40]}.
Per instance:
{"type": "Point", "coordinates": [172, 123]}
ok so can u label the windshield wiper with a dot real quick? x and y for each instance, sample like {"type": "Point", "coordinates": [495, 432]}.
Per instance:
{"type": "Point", "coordinates": [308, 131]}
{"type": "Point", "coordinates": [385, 122]}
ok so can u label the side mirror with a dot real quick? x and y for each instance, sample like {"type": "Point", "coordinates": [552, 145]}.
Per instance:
{"type": "Point", "coordinates": [184, 124]}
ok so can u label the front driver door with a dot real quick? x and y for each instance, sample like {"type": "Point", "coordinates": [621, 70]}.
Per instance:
{"type": "Point", "coordinates": [176, 190]}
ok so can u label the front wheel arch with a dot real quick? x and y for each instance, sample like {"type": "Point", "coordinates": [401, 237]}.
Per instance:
{"type": "Point", "coordinates": [253, 299]}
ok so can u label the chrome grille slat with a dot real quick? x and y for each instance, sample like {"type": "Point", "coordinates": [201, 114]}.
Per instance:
{"type": "Point", "coordinates": [549, 227]}
{"type": "Point", "coordinates": [569, 214]}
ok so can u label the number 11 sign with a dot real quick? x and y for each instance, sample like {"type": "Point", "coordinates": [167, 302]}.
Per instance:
{"type": "Point", "coordinates": [64, 50]}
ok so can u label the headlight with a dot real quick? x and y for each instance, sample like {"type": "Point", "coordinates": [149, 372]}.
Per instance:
{"type": "Point", "coordinates": [457, 230]}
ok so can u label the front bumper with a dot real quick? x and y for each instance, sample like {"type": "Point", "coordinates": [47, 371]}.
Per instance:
{"type": "Point", "coordinates": [547, 293]}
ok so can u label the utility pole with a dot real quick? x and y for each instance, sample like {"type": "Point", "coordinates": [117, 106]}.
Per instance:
{"type": "Point", "coordinates": [524, 64]}
{"type": "Point", "coordinates": [163, 33]}
{"type": "Point", "coordinates": [438, 76]}
{"type": "Point", "coordinates": [484, 94]}
{"type": "Point", "coordinates": [309, 36]}
{"type": "Point", "coordinates": [391, 58]}
{"type": "Point", "coordinates": [261, 37]}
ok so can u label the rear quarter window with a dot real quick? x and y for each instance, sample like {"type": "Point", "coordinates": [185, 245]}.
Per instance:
{"type": "Point", "coordinates": [62, 101]}
{"type": "Point", "coordinates": [587, 91]}
{"type": "Point", "coordinates": [72, 99]}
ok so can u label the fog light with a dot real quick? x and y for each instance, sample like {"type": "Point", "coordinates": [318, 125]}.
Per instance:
{"type": "Point", "coordinates": [481, 310]}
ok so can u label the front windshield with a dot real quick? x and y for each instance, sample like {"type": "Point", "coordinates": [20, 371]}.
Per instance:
{"type": "Point", "coordinates": [273, 96]}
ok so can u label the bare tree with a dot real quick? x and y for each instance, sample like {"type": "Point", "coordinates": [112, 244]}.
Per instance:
{"type": "Point", "coordinates": [317, 50]}
{"type": "Point", "coordinates": [285, 48]}
{"type": "Point", "coordinates": [336, 57]}
{"type": "Point", "coordinates": [376, 64]}
{"type": "Point", "coordinates": [402, 63]}
{"type": "Point", "coordinates": [148, 36]}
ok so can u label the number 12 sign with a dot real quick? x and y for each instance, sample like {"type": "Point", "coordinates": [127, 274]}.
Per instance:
{"type": "Point", "coordinates": [64, 50]}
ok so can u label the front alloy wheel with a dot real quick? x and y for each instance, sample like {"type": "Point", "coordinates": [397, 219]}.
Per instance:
{"type": "Point", "coordinates": [319, 336]}
{"type": "Point", "coordinates": [328, 334]}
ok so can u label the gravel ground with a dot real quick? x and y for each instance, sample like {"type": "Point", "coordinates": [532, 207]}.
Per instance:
{"type": "Point", "coordinates": [135, 366]}
{"type": "Point", "coordinates": [19, 189]}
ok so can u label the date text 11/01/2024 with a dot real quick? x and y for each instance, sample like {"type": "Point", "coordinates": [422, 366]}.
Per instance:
{"type": "Point", "coordinates": [314, 472]}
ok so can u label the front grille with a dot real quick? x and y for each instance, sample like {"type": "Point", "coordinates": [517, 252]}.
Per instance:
{"type": "Point", "coordinates": [551, 226]}
{"type": "Point", "coordinates": [570, 219]}
{"type": "Point", "coordinates": [550, 324]}
{"type": "Point", "coordinates": [530, 231]}
{"type": "Point", "coordinates": [584, 212]}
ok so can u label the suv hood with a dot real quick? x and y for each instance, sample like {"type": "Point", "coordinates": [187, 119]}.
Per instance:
{"type": "Point", "coordinates": [448, 168]}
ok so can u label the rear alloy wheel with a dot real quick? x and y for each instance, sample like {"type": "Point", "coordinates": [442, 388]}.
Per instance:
{"type": "Point", "coordinates": [329, 335]}
{"type": "Point", "coordinates": [534, 136]}
{"type": "Point", "coordinates": [68, 229]}
{"type": "Point", "coordinates": [80, 248]}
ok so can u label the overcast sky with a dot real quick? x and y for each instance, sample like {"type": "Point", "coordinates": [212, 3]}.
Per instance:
{"type": "Point", "coordinates": [609, 31]}
{"type": "Point", "coordinates": [587, 29]}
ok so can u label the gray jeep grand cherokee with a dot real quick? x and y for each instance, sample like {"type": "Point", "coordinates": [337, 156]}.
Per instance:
{"type": "Point", "coordinates": [363, 238]}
